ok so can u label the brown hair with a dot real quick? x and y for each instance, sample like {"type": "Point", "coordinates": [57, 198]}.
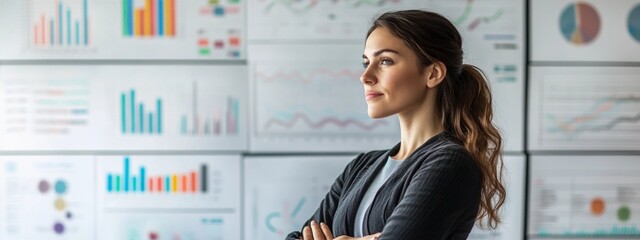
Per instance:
{"type": "Point", "coordinates": [463, 98]}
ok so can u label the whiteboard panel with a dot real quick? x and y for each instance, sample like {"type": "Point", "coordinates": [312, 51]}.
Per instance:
{"type": "Point", "coordinates": [584, 108]}
{"type": "Point", "coordinates": [584, 197]}
{"type": "Point", "coordinates": [124, 107]}
{"type": "Point", "coordinates": [128, 29]}
{"type": "Point", "coordinates": [47, 197]}
{"type": "Point", "coordinates": [594, 30]}
{"type": "Point", "coordinates": [282, 192]}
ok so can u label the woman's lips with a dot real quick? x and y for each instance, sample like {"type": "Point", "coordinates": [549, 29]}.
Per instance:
{"type": "Point", "coordinates": [369, 95]}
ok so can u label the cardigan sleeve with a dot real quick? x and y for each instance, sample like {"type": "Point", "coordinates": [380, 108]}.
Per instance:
{"type": "Point", "coordinates": [442, 194]}
{"type": "Point", "coordinates": [327, 208]}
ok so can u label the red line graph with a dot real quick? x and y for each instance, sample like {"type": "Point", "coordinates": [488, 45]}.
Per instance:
{"type": "Point", "coordinates": [308, 77]}
{"type": "Point", "coordinates": [301, 117]}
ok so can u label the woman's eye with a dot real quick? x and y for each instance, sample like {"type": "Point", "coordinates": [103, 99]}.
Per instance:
{"type": "Point", "coordinates": [365, 64]}
{"type": "Point", "coordinates": [386, 62]}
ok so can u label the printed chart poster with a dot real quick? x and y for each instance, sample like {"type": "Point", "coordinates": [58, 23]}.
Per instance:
{"type": "Point", "coordinates": [47, 197]}
{"type": "Point", "coordinates": [127, 29]}
{"type": "Point", "coordinates": [594, 30]}
{"type": "Point", "coordinates": [50, 108]}
{"type": "Point", "coordinates": [177, 107]}
{"type": "Point", "coordinates": [595, 197]}
{"type": "Point", "coordinates": [188, 197]}
{"type": "Point", "coordinates": [512, 213]}
{"type": "Point", "coordinates": [281, 193]}
{"type": "Point", "coordinates": [310, 98]}
{"type": "Point", "coordinates": [574, 108]}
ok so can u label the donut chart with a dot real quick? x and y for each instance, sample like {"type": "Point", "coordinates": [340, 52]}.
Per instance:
{"type": "Point", "coordinates": [580, 23]}
{"type": "Point", "coordinates": [634, 23]}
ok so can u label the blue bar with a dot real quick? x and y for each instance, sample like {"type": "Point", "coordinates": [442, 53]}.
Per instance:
{"type": "Point", "coordinates": [130, 17]}
{"type": "Point", "coordinates": [126, 174]}
{"type": "Point", "coordinates": [133, 111]}
{"type": "Point", "coordinates": [86, 24]}
{"type": "Point", "coordinates": [60, 23]}
{"type": "Point", "coordinates": [160, 18]}
{"type": "Point", "coordinates": [167, 184]}
{"type": "Point", "coordinates": [142, 178]}
{"type": "Point", "coordinates": [141, 118]}
{"type": "Point", "coordinates": [77, 33]}
{"type": "Point", "coordinates": [133, 181]}
{"type": "Point", "coordinates": [159, 115]}
{"type": "Point", "coordinates": [151, 122]}
{"type": "Point", "coordinates": [123, 100]}
{"type": "Point", "coordinates": [184, 125]}
{"type": "Point", "coordinates": [51, 32]}
{"type": "Point", "coordinates": [68, 26]}
{"type": "Point", "coordinates": [109, 183]}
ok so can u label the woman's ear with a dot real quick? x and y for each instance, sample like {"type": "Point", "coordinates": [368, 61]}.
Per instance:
{"type": "Point", "coordinates": [434, 74]}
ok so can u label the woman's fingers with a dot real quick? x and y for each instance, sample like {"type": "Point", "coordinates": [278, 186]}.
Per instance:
{"type": "Point", "coordinates": [327, 232]}
{"type": "Point", "coordinates": [317, 231]}
{"type": "Point", "coordinates": [307, 234]}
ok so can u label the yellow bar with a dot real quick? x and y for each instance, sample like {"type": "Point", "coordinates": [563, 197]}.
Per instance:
{"type": "Point", "coordinates": [174, 183]}
{"type": "Point", "coordinates": [147, 18]}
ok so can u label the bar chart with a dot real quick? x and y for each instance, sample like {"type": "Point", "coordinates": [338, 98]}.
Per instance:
{"type": "Point", "coordinates": [135, 120]}
{"type": "Point", "coordinates": [167, 182]}
{"type": "Point", "coordinates": [149, 18]}
{"type": "Point", "coordinates": [223, 118]}
{"type": "Point", "coordinates": [193, 181]}
{"type": "Point", "coordinates": [59, 23]}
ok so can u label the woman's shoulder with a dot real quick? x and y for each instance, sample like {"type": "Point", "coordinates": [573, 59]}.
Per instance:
{"type": "Point", "coordinates": [443, 145]}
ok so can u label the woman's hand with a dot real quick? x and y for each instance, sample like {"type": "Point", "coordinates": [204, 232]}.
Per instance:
{"type": "Point", "coordinates": [321, 231]}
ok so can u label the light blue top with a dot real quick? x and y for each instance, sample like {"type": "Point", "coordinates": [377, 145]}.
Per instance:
{"type": "Point", "coordinates": [382, 176]}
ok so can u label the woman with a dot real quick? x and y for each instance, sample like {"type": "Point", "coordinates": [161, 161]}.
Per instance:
{"type": "Point", "coordinates": [445, 174]}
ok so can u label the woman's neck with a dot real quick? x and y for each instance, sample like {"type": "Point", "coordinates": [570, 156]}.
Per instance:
{"type": "Point", "coordinates": [416, 127]}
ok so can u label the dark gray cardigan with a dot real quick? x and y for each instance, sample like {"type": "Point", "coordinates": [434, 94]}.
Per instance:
{"type": "Point", "coordinates": [434, 194]}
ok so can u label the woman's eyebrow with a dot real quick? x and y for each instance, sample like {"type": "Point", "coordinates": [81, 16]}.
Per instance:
{"type": "Point", "coordinates": [376, 53]}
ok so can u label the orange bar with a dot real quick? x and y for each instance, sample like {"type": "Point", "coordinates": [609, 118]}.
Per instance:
{"type": "Point", "coordinates": [159, 184]}
{"type": "Point", "coordinates": [147, 18]}
{"type": "Point", "coordinates": [170, 16]}
{"type": "Point", "coordinates": [152, 18]}
{"type": "Point", "coordinates": [184, 183]}
{"type": "Point", "coordinates": [43, 32]}
{"type": "Point", "coordinates": [138, 22]}
{"type": "Point", "coordinates": [194, 186]}
{"type": "Point", "coordinates": [150, 184]}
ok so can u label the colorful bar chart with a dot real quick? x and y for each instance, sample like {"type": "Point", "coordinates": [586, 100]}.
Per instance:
{"type": "Point", "coordinates": [193, 181]}
{"type": "Point", "coordinates": [214, 123]}
{"type": "Point", "coordinates": [149, 18]}
{"type": "Point", "coordinates": [62, 25]}
{"type": "Point", "coordinates": [134, 118]}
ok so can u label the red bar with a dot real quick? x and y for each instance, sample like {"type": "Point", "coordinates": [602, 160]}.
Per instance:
{"type": "Point", "coordinates": [194, 186]}
{"type": "Point", "coordinates": [152, 9]}
{"type": "Point", "coordinates": [172, 21]}
{"type": "Point", "coordinates": [150, 184]}
{"type": "Point", "coordinates": [43, 32]}
{"type": "Point", "coordinates": [159, 184]}
{"type": "Point", "coordinates": [141, 23]}
{"type": "Point", "coordinates": [184, 183]}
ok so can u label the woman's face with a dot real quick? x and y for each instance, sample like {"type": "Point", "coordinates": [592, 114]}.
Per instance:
{"type": "Point", "coordinates": [393, 83]}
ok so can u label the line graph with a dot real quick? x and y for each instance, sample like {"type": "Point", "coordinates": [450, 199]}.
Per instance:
{"type": "Point", "coordinates": [477, 20]}
{"type": "Point", "coordinates": [581, 111]}
{"type": "Point", "coordinates": [323, 122]}
{"type": "Point", "coordinates": [313, 101]}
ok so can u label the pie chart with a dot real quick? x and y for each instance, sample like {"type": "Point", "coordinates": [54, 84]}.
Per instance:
{"type": "Point", "coordinates": [580, 23]}
{"type": "Point", "coordinates": [634, 23]}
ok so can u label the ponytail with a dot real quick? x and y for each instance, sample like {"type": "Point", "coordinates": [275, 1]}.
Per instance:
{"type": "Point", "coordinates": [465, 105]}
